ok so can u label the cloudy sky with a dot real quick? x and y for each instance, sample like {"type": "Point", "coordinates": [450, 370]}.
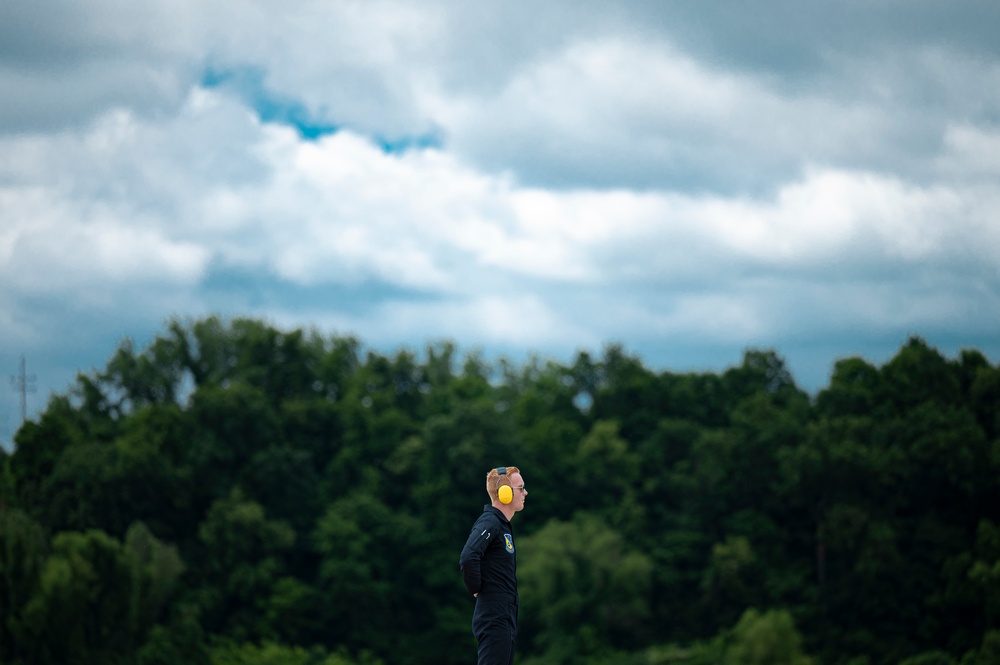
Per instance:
{"type": "Point", "coordinates": [689, 179]}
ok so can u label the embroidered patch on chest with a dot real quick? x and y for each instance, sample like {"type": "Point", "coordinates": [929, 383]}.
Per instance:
{"type": "Point", "coordinates": [509, 542]}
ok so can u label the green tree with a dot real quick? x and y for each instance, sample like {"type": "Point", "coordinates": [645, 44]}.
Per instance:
{"type": "Point", "coordinates": [984, 572]}
{"type": "Point", "coordinates": [728, 581]}
{"type": "Point", "coordinates": [585, 590]}
{"type": "Point", "coordinates": [605, 476]}
{"type": "Point", "coordinates": [244, 563]}
{"type": "Point", "coordinates": [935, 657]}
{"type": "Point", "coordinates": [95, 599]}
{"type": "Point", "coordinates": [370, 557]}
{"type": "Point", "coordinates": [919, 373]}
{"type": "Point", "coordinates": [984, 398]}
{"type": "Point", "coordinates": [37, 449]}
{"type": "Point", "coordinates": [272, 653]}
{"type": "Point", "coordinates": [157, 568]}
{"type": "Point", "coordinates": [155, 376]}
{"type": "Point", "coordinates": [628, 393]}
{"type": "Point", "coordinates": [23, 550]}
{"type": "Point", "coordinates": [855, 389]}
{"type": "Point", "coordinates": [988, 652]}
{"type": "Point", "coordinates": [762, 371]}
{"type": "Point", "coordinates": [766, 639]}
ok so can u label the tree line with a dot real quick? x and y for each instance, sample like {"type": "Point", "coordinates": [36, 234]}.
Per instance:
{"type": "Point", "coordinates": [235, 493]}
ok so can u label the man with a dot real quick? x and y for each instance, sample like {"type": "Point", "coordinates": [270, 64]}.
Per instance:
{"type": "Point", "coordinates": [489, 567]}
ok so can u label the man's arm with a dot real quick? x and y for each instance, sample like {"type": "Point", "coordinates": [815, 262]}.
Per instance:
{"type": "Point", "coordinates": [472, 555]}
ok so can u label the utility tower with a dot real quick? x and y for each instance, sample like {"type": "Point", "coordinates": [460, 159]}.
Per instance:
{"type": "Point", "coordinates": [24, 383]}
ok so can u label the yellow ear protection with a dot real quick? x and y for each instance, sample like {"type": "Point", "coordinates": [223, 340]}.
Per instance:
{"type": "Point", "coordinates": [504, 492]}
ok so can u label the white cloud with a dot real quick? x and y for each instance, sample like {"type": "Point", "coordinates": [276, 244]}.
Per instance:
{"type": "Point", "coordinates": [858, 216]}
{"type": "Point", "coordinates": [971, 151]}
{"type": "Point", "coordinates": [52, 245]}
{"type": "Point", "coordinates": [136, 201]}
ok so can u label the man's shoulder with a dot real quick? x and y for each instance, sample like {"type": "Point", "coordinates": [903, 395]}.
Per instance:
{"type": "Point", "coordinates": [492, 516]}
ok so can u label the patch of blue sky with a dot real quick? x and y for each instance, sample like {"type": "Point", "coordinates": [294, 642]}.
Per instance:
{"type": "Point", "coordinates": [247, 83]}
{"type": "Point", "coordinates": [401, 144]}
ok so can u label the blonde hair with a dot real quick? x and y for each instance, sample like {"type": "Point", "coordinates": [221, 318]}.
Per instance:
{"type": "Point", "coordinates": [494, 480]}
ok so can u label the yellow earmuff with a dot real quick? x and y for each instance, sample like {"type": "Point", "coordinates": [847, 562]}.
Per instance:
{"type": "Point", "coordinates": [504, 492]}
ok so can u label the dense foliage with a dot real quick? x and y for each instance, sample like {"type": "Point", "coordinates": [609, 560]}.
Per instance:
{"type": "Point", "coordinates": [238, 494]}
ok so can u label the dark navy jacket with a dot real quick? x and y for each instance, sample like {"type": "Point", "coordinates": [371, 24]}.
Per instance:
{"type": "Point", "coordinates": [488, 560]}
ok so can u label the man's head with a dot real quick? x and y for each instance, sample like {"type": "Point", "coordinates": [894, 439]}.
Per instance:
{"type": "Point", "coordinates": [505, 485]}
